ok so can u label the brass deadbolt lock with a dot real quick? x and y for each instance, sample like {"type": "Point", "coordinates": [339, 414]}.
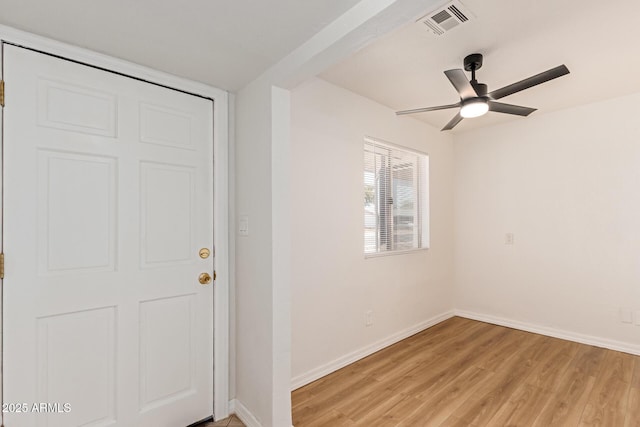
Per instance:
{"type": "Point", "coordinates": [204, 253]}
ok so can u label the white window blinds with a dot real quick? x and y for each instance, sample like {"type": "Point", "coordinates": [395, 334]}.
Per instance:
{"type": "Point", "coordinates": [395, 198]}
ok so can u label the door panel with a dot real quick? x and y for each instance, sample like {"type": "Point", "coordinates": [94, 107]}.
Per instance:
{"type": "Point", "coordinates": [76, 108]}
{"type": "Point", "coordinates": [159, 385]}
{"type": "Point", "coordinates": [90, 333]}
{"type": "Point", "coordinates": [167, 213]}
{"type": "Point", "coordinates": [77, 212]}
{"type": "Point", "coordinates": [163, 126]}
{"type": "Point", "coordinates": [108, 199]}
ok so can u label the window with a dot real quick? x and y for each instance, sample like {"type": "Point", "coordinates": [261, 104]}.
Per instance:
{"type": "Point", "coordinates": [396, 209]}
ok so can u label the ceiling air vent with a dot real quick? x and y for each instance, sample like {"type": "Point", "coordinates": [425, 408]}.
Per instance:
{"type": "Point", "coordinates": [446, 18]}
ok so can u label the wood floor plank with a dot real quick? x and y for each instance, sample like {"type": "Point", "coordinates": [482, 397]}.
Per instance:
{"type": "Point", "coordinates": [447, 367]}
{"type": "Point", "coordinates": [331, 418]}
{"type": "Point", "coordinates": [635, 380]}
{"type": "Point", "coordinates": [390, 374]}
{"type": "Point", "coordinates": [467, 373]}
{"type": "Point", "coordinates": [496, 356]}
{"type": "Point", "coordinates": [574, 389]}
{"type": "Point", "coordinates": [567, 405]}
{"type": "Point", "coordinates": [454, 421]}
{"type": "Point", "coordinates": [620, 365]}
{"type": "Point", "coordinates": [607, 403]}
{"type": "Point", "coordinates": [447, 344]}
{"type": "Point", "coordinates": [392, 364]}
{"type": "Point", "coordinates": [495, 393]}
{"type": "Point", "coordinates": [522, 407]}
{"type": "Point", "coordinates": [394, 415]}
{"type": "Point", "coordinates": [471, 358]}
{"type": "Point", "coordinates": [632, 418]}
{"type": "Point", "coordinates": [340, 379]}
{"type": "Point", "coordinates": [589, 360]}
{"type": "Point", "coordinates": [449, 326]}
{"type": "Point", "coordinates": [550, 368]}
{"type": "Point", "coordinates": [440, 405]}
{"type": "Point", "coordinates": [326, 402]}
{"type": "Point", "coordinates": [438, 336]}
{"type": "Point", "coordinates": [461, 342]}
{"type": "Point", "coordinates": [374, 403]}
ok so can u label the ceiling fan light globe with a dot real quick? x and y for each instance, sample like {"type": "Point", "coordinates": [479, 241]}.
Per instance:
{"type": "Point", "coordinates": [475, 108]}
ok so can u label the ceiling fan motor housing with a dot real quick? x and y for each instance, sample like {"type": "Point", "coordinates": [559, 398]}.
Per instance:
{"type": "Point", "coordinates": [473, 62]}
{"type": "Point", "coordinates": [481, 89]}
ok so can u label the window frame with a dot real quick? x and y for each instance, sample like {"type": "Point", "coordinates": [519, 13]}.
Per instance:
{"type": "Point", "coordinates": [423, 202]}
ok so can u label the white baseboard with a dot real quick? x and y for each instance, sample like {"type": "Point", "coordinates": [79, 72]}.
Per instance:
{"type": "Point", "coordinates": [553, 332]}
{"type": "Point", "coordinates": [341, 362]}
{"type": "Point", "coordinates": [244, 414]}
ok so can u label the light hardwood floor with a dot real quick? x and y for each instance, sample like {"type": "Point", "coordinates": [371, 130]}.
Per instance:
{"type": "Point", "coordinates": [231, 421]}
{"type": "Point", "coordinates": [467, 373]}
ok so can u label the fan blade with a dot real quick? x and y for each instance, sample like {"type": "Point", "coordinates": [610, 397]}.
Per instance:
{"type": "Point", "coordinates": [422, 110]}
{"type": "Point", "coordinates": [457, 119]}
{"type": "Point", "coordinates": [459, 80]}
{"type": "Point", "coordinates": [500, 107]}
{"type": "Point", "coordinates": [545, 76]}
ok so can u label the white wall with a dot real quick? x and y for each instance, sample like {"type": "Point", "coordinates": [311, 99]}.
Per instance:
{"type": "Point", "coordinates": [262, 322]}
{"type": "Point", "coordinates": [567, 184]}
{"type": "Point", "coordinates": [232, 247]}
{"type": "Point", "coordinates": [281, 254]}
{"type": "Point", "coordinates": [254, 306]}
{"type": "Point", "coordinates": [332, 283]}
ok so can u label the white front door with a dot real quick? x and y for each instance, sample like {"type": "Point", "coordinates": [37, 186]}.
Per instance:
{"type": "Point", "coordinates": [107, 202]}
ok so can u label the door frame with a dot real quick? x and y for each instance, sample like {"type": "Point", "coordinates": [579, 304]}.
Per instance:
{"type": "Point", "coordinates": [221, 206]}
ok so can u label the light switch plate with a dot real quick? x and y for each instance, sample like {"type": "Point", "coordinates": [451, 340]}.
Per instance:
{"type": "Point", "coordinates": [243, 225]}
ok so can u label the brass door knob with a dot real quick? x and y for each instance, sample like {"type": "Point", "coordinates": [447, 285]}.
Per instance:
{"type": "Point", "coordinates": [205, 278]}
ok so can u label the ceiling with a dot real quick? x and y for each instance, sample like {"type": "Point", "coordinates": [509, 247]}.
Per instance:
{"type": "Point", "coordinates": [222, 43]}
{"type": "Point", "coordinates": [229, 43]}
{"type": "Point", "coordinates": [597, 40]}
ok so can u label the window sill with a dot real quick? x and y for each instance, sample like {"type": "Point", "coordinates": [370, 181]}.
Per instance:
{"type": "Point", "coordinates": [391, 253]}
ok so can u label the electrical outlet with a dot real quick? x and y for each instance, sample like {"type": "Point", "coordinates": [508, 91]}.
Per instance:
{"type": "Point", "coordinates": [626, 315]}
{"type": "Point", "coordinates": [368, 318]}
{"type": "Point", "coordinates": [509, 239]}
